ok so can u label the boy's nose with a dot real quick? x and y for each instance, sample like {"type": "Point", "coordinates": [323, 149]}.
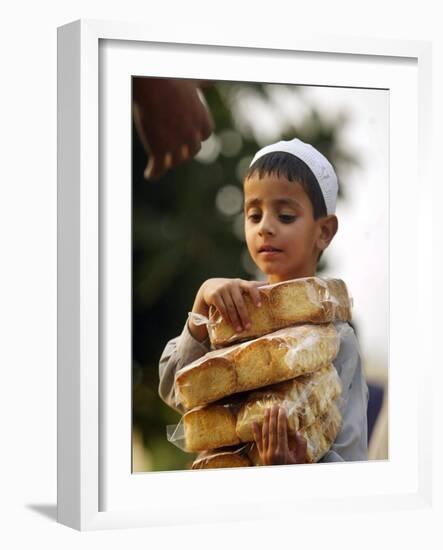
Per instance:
{"type": "Point", "coordinates": [266, 227]}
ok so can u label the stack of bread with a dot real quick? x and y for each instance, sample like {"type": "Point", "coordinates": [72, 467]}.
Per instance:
{"type": "Point", "coordinates": [284, 358]}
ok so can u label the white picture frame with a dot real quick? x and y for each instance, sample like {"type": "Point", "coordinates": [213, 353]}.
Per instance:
{"type": "Point", "coordinates": [95, 487]}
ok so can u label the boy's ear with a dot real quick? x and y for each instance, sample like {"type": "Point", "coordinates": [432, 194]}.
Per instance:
{"type": "Point", "coordinates": [328, 226]}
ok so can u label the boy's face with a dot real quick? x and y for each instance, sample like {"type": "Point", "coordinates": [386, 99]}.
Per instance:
{"type": "Point", "coordinates": [282, 236]}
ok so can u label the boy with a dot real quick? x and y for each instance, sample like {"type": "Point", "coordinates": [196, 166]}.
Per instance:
{"type": "Point", "coordinates": [290, 193]}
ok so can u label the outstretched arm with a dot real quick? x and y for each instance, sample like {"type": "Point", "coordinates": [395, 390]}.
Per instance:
{"type": "Point", "coordinates": [171, 121]}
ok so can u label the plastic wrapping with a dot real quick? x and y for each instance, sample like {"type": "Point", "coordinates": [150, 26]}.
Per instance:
{"type": "Point", "coordinates": [223, 458]}
{"type": "Point", "coordinates": [225, 424]}
{"type": "Point", "coordinates": [304, 399]}
{"type": "Point", "coordinates": [319, 436]}
{"type": "Point", "coordinates": [305, 300]}
{"type": "Point", "coordinates": [276, 357]}
{"type": "Point", "coordinates": [203, 428]}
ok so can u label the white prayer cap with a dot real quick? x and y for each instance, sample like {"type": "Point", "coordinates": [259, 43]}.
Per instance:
{"type": "Point", "coordinates": [318, 163]}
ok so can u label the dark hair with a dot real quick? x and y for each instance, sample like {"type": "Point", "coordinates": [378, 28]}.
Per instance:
{"type": "Point", "coordinates": [293, 169]}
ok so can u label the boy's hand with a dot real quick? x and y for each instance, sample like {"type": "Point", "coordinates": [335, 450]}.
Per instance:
{"type": "Point", "coordinates": [275, 443]}
{"type": "Point", "coordinates": [227, 296]}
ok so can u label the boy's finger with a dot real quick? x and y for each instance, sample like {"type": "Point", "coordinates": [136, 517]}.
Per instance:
{"type": "Point", "coordinates": [301, 448]}
{"type": "Point", "coordinates": [239, 302]}
{"type": "Point", "coordinates": [273, 427]}
{"type": "Point", "coordinates": [255, 295]}
{"type": "Point", "coordinates": [251, 287]}
{"type": "Point", "coordinates": [232, 312]}
{"type": "Point", "coordinates": [257, 436]}
{"type": "Point", "coordinates": [282, 430]}
{"type": "Point", "coordinates": [257, 284]}
{"type": "Point", "coordinates": [265, 430]}
{"type": "Point", "coordinates": [220, 305]}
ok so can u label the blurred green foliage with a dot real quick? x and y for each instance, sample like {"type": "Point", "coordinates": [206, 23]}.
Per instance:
{"type": "Point", "coordinates": [187, 227]}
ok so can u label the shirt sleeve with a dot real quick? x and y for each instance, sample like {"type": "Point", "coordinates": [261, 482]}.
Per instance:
{"type": "Point", "coordinates": [352, 441]}
{"type": "Point", "coordinates": [178, 353]}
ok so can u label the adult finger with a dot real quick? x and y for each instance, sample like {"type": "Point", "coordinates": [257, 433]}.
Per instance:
{"type": "Point", "coordinates": [239, 302]}
{"type": "Point", "coordinates": [159, 162]}
{"type": "Point", "coordinates": [154, 168]}
{"type": "Point", "coordinates": [187, 148]}
{"type": "Point", "coordinates": [195, 144]}
{"type": "Point", "coordinates": [147, 174]}
{"type": "Point", "coordinates": [232, 311]}
{"type": "Point", "coordinates": [168, 160]}
{"type": "Point", "coordinates": [181, 154]}
{"type": "Point", "coordinates": [173, 158]}
{"type": "Point", "coordinates": [207, 127]}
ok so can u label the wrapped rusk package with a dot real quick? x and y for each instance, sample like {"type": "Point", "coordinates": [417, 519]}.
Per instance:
{"type": "Point", "coordinates": [307, 300]}
{"type": "Point", "coordinates": [319, 436]}
{"type": "Point", "coordinates": [305, 399]}
{"type": "Point", "coordinates": [276, 357]}
{"type": "Point", "coordinates": [204, 428]}
{"type": "Point", "coordinates": [222, 458]}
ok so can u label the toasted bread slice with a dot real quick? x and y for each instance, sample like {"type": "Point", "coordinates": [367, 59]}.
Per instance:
{"type": "Point", "coordinates": [306, 300]}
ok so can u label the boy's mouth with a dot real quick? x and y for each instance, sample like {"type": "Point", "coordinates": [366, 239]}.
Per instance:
{"type": "Point", "coordinates": [268, 249]}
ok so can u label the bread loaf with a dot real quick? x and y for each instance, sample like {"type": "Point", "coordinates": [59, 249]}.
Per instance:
{"type": "Point", "coordinates": [221, 459]}
{"type": "Point", "coordinates": [306, 300]}
{"type": "Point", "coordinates": [209, 427]}
{"type": "Point", "coordinates": [304, 398]}
{"type": "Point", "coordinates": [276, 357]}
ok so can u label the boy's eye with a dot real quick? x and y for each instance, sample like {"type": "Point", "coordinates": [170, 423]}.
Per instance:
{"type": "Point", "coordinates": [254, 217]}
{"type": "Point", "coordinates": [286, 218]}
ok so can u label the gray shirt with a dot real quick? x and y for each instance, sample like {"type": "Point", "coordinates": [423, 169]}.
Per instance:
{"type": "Point", "coordinates": [351, 442]}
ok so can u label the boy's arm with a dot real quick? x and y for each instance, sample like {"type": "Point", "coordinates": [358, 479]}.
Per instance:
{"type": "Point", "coordinates": [351, 442]}
{"type": "Point", "coordinates": [178, 353]}
{"type": "Point", "coordinates": [226, 295]}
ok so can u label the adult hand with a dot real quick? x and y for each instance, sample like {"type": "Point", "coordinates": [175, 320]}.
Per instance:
{"type": "Point", "coordinates": [171, 120]}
